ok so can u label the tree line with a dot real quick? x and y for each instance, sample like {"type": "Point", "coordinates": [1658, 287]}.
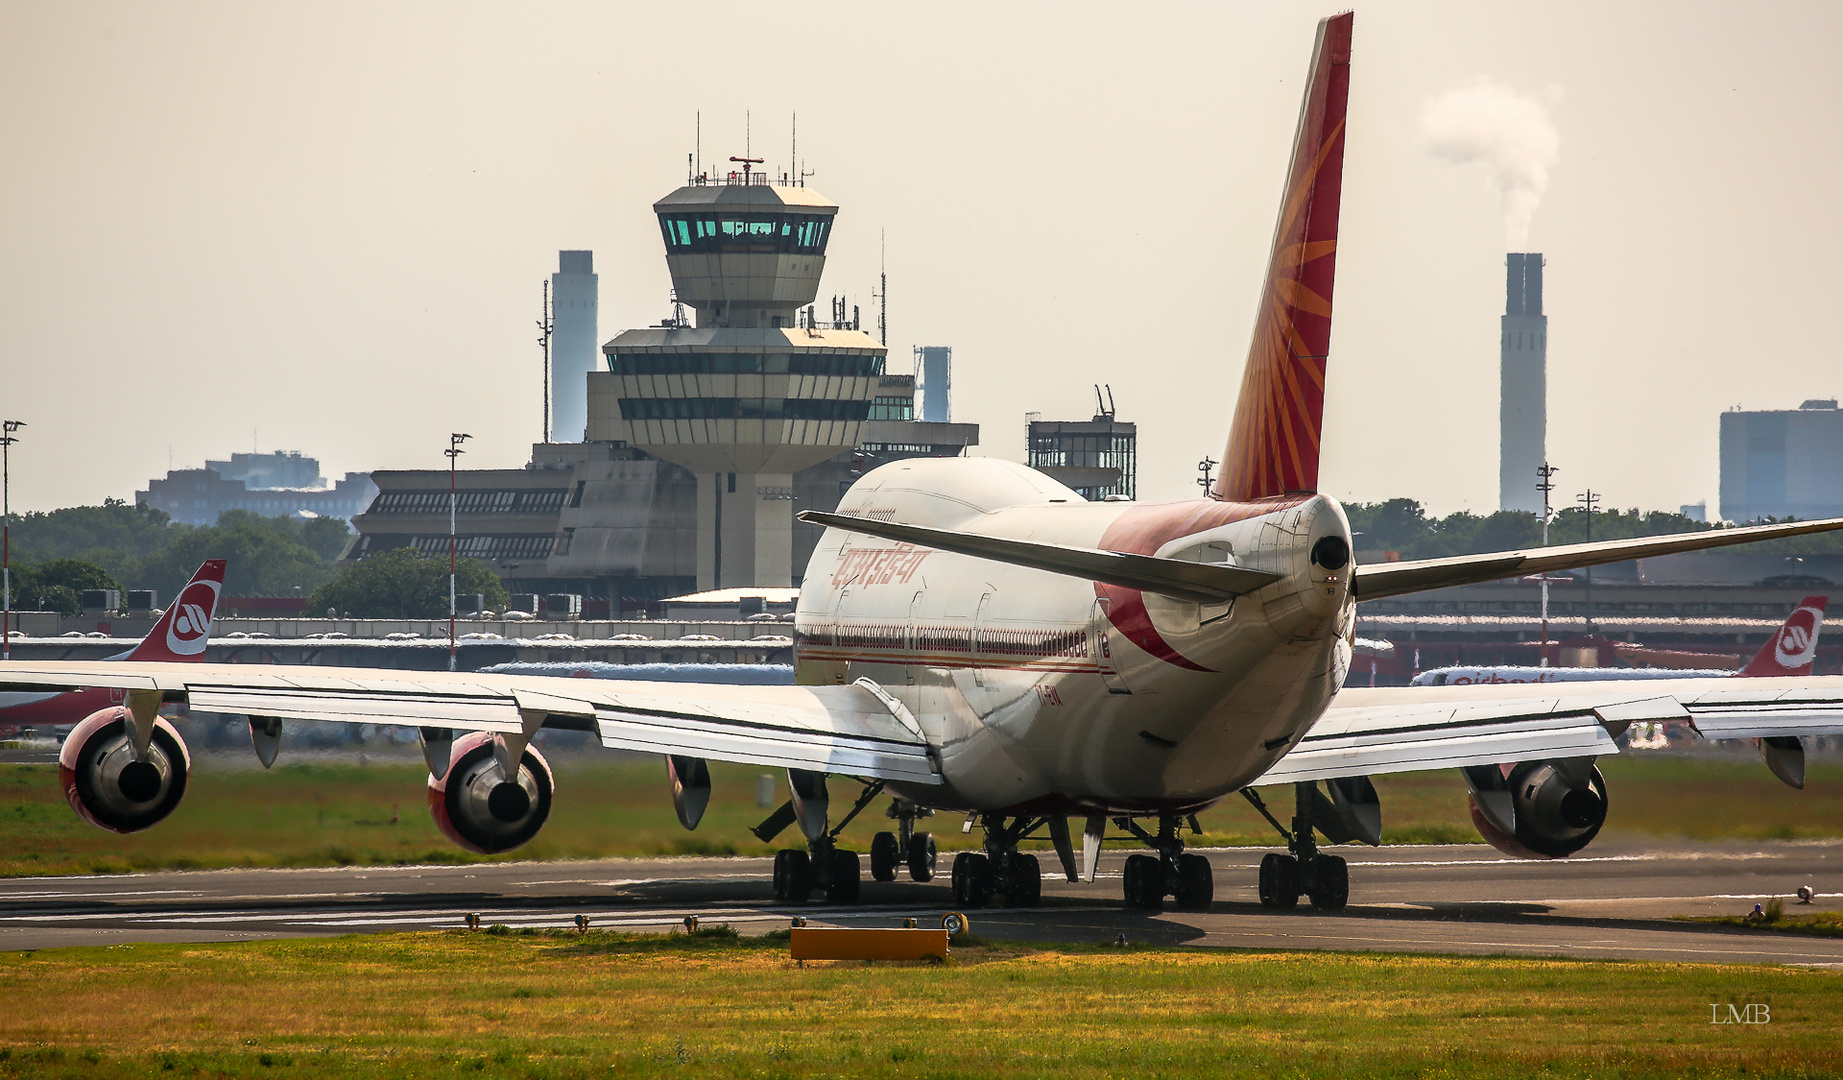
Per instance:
{"type": "Point", "coordinates": [56, 555]}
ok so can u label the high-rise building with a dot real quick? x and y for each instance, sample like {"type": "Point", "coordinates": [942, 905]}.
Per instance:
{"type": "Point", "coordinates": [1523, 386]}
{"type": "Point", "coordinates": [1782, 463]}
{"type": "Point", "coordinates": [934, 377]}
{"type": "Point", "coordinates": [574, 343]}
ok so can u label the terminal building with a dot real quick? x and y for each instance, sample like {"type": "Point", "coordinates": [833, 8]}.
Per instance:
{"type": "Point", "coordinates": [704, 435]}
{"type": "Point", "coordinates": [1782, 463]}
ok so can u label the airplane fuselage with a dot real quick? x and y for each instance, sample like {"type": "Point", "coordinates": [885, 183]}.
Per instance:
{"type": "Point", "coordinates": [1047, 693]}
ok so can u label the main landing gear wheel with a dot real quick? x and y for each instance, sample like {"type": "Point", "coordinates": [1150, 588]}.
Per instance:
{"type": "Point", "coordinates": [1026, 884]}
{"type": "Point", "coordinates": [921, 857]}
{"type": "Point", "coordinates": [1279, 886]}
{"type": "Point", "coordinates": [1196, 883]}
{"type": "Point", "coordinates": [1144, 882]}
{"type": "Point", "coordinates": [972, 879]}
{"type": "Point", "coordinates": [793, 876]}
{"type": "Point", "coordinates": [885, 853]}
{"type": "Point", "coordinates": [843, 887]}
{"type": "Point", "coordinates": [1332, 889]}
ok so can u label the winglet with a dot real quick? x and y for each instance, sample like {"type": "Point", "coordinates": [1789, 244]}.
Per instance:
{"type": "Point", "coordinates": [1791, 650]}
{"type": "Point", "coordinates": [1273, 445]}
{"type": "Point", "coordinates": [182, 632]}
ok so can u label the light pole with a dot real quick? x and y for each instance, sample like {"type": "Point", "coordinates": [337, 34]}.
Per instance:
{"type": "Point", "coordinates": [454, 451]}
{"type": "Point", "coordinates": [6, 533]}
{"type": "Point", "coordinates": [1590, 499]}
{"type": "Point", "coordinates": [1545, 483]}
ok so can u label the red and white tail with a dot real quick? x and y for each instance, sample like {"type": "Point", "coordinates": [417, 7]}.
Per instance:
{"type": "Point", "coordinates": [1273, 446]}
{"type": "Point", "coordinates": [1794, 647]}
{"type": "Point", "coordinates": [182, 632]}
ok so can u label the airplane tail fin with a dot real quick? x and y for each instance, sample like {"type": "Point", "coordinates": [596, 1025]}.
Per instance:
{"type": "Point", "coordinates": [182, 632]}
{"type": "Point", "coordinates": [1273, 445]}
{"type": "Point", "coordinates": [1791, 650]}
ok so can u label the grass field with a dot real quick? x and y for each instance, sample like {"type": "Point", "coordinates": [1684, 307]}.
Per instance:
{"type": "Point", "coordinates": [458, 1004]}
{"type": "Point", "coordinates": [333, 814]}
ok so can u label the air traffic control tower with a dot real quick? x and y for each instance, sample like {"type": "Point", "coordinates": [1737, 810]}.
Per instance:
{"type": "Point", "coordinates": [752, 390]}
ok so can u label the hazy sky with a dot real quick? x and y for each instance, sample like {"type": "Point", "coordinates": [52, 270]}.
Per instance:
{"type": "Point", "coordinates": [323, 226]}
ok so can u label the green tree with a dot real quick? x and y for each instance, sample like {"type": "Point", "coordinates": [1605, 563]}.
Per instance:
{"type": "Point", "coordinates": [264, 557]}
{"type": "Point", "coordinates": [58, 584]}
{"type": "Point", "coordinates": [403, 583]}
{"type": "Point", "coordinates": [115, 536]}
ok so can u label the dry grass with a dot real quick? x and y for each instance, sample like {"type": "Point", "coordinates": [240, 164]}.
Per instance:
{"type": "Point", "coordinates": [321, 815]}
{"type": "Point", "coordinates": [604, 1004]}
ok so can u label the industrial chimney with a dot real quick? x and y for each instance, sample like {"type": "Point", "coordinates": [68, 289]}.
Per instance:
{"type": "Point", "coordinates": [1523, 389]}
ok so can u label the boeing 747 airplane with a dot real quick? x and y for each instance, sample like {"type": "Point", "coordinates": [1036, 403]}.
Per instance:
{"type": "Point", "coordinates": [973, 637]}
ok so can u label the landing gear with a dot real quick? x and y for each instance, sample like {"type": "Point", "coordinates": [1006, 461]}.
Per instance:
{"type": "Point", "coordinates": [905, 847]}
{"type": "Point", "coordinates": [793, 877]}
{"type": "Point", "coordinates": [1304, 871]}
{"type": "Point", "coordinates": [1001, 871]}
{"type": "Point", "coordinates": [1148, 879]}
{"type": "Point", "coordinates": [823, 866]}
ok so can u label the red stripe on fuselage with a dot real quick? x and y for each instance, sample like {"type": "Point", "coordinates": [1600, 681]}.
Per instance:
{"type": "Point", "coordinates": [1142, 530]}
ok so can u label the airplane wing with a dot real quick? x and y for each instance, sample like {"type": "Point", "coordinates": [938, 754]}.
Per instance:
{"type": "Point", "coordinates": [1404, 729]}
{"type": "Point", "coordinates": [1379, 581]}
{"type": "Point", "coordinates": [854, 730]}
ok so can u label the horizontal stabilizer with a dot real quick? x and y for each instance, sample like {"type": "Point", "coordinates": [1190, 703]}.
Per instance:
{"type": "Point", "coordinates": [1202, 583]}
{"type": "Point", "coordinates": [1378, 581]}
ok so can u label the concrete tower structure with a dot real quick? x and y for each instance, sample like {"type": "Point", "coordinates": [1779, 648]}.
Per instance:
{"type": "Point", "coordinates": [1523, 413]}
{"type": "Point", "coordinates": [755, 391]}
{"type": "Point", "coordinates": [573, 342]}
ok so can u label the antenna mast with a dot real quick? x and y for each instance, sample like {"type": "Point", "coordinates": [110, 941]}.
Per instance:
{"type": "Point", "coordinates": [698, 143]}
{"type": "Point", "coordinates": [544, 328]}
{"type": "Point", "coordinates": [793, 151]}
{"type": "Point", "coordinates": [883, 289]}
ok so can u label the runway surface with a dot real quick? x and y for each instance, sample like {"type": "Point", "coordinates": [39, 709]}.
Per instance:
{"type": "Point", "coordinates": [1615, 901]}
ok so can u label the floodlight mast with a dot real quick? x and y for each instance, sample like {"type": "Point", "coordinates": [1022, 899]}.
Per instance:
{"type": "Point", "coordinates": [454, 451]}
{"type": "Point", "coordinates": [7, 439]}
{"type": "Point", "coordinates": [1545, 483]}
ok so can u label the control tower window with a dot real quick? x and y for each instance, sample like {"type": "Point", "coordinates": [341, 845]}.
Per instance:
{"type": "Point", "coordinates": [783, 234]}
{"type": "Point", "coordinates": [857, 365]}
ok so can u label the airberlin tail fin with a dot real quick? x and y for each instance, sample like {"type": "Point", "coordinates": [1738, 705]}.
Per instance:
{"type": "Point", "coordinates": [182, 632]}
{"type": "Point", "coordinates": [1273, 446]}
{"type": "Point", "coordinates": [1793, 647]}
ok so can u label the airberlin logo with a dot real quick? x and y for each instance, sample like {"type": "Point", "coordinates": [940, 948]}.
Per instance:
{"type": "Point", "coordinates": [1798, 640]}
{"type": "Point", "coordinates": [191, 623]}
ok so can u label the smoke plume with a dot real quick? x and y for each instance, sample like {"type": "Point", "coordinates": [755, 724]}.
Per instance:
{"type": "Point", "coordinates": [1508, 133]}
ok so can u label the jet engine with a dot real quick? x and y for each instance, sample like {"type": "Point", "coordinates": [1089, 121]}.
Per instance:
{"type": "Point", "coordinates": [109, 786]}
{"type": "Point", "coordinates": [477, 807]}
{"type": "Point", "coordinates": [1538, 809]}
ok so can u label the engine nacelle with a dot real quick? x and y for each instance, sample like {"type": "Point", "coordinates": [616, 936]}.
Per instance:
{"type": "Point", "coordinates": [474, 804]}
{"type": "Point", "coordinates": [1539, 809]}
{"type": "Point", "coordinates": [108, 786]}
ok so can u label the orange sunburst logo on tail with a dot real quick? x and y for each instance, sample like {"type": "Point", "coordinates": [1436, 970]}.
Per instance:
{"type": "Point", "coordinates": [1273, 445]}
